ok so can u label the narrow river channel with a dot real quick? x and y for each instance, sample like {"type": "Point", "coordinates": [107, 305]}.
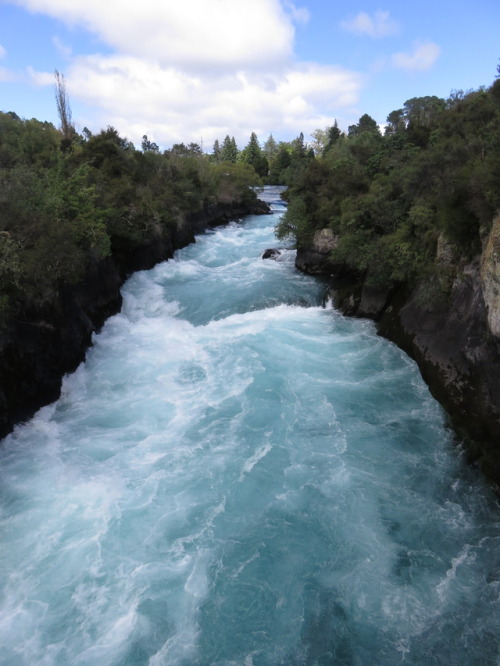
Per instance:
{"type": "Point", "coordinates": [238, 475]}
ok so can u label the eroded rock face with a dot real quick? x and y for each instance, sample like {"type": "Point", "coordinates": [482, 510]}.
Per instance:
{"type": "Point", "coordinates": [490, 277]}
{"type": "Point", "coordinates": [455, 341]}
{"type": "Point", "coordinates": [315, 260]}
{"type": "Point", "coordinates": [458, 358]}
{"type": "Point", "coordinates": [325, 241]}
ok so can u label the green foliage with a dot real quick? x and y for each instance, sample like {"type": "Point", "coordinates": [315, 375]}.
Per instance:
{"type": "Point", "coordinates": [234, 182]}
{"type": "Point", "coordinates": [270, 148]}
{"type": "Point", "coordinates": [61, 210]}
{"type": "Point", "coordinates": [434, 172]}
{"type": "Point", "coordinates": [366, 124]}
{"type": "Point", "coordinates": [229, 150]}
{"type": "Point", "coordinates": [252, 154]}
{"type": "Point", "coordinates": [148, 145]}
{"type": "Point", "coordinates": [279, 162]}
{"type": "Point", "coordinates": [27, 142]}
{"type": "Point", "coordinates": [333, 134]}
{"type": "Point", "coordinates": [296, 224]}
{"type": "Point", "coordinates": [10, 270]}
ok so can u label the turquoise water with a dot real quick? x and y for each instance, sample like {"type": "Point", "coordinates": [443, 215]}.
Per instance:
{"type": "Point", "coordinates": [238, 475]}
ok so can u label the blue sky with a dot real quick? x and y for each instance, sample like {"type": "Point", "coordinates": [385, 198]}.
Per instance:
{"type": "Point", "coordinates": [197, 70]}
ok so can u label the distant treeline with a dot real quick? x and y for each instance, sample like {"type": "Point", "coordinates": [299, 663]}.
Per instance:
{"type": "Point", "coordinates": [410, 204]}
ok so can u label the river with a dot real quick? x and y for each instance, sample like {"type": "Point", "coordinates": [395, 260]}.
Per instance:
{"type": "Point", "coordinates": [238, 475]}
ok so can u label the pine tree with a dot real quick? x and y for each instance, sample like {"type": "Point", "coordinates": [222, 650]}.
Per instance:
{"type": "Point", "coordinates": [229, 151]}
{"type": "Point", "coordinates": [216, 152]}
{"type": "Point", "coordinates": [270, 148]}
{"type": "Point", "coordinates": [252, 154]}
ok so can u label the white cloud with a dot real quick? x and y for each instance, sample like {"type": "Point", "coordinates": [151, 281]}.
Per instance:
{"type": "Point", "coordinates": [422, 57]}
{"type": "Point", "coordinates": [7, 75]}
{"type": "Point", "coordinates": [298, 14]}
{"type": "Point", "coordinates": [180, 72]}
{"type": "Point", "coordinates": [379, 25]}
{"type": "Point", "coordinates": [40, 78]}
{"type": "Point", "coordinates": [170, 105]}
{"type": "Point", "coordinates": [247, 33]}
{"type": "Point", "coordinates": [62, 48]}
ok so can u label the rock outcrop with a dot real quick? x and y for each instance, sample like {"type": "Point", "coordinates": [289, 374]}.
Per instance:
{"type": "Point", "coordinates": [271, 253]}
{"type": "Point", "coordinates": [315, 259]}
{"type": "Point", "coordinates": [490, 277]}
{"type": "Point", "coordinates": [47, 341]}
{"type": "Point", "coordinates": [454, 340]}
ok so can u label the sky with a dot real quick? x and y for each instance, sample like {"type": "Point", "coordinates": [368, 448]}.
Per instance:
{"type": "Point", "coordinates": [197, 70]}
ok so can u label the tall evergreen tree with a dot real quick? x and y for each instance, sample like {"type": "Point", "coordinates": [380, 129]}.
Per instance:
{"type": "Point", "coordinates": [252, 154]}
{"type": "Point", "coordinates": [229, 151]}
{"type": "Point", "coordinates": [334, 135]}
{"type": "Point", "coordinates": [216, 152]}
{"type": "Point", "coordinates": [270, 148]}
{"type": "Point", "coordinates": [365, 124]}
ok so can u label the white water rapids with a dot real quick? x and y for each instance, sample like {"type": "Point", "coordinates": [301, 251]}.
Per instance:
{"type": "Point", "coordinates": [239, 476]}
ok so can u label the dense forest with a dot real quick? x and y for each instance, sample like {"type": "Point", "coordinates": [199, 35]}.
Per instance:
{"type": "Point", "coordinates": [428, 186]}
{"type": "Point", "coordinates": [70, 199]}
{"type": "Point", "coordinates": [390, 199]}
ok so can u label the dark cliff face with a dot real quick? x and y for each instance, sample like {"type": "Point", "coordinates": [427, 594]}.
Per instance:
{"type": "Point", "coordinates": [457, 354]}
{"type": "Point", "coordinates": [46, 342]}
{"type": "Point", "coordinates": [460, 361]}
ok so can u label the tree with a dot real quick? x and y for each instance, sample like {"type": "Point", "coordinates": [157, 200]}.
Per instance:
{"type": "Point", "coordinates": [195, 148]}
{"type": "Point", "coordinates": [298, 147]}
{"type": "Point", "coordinates": [148, 145]}
{"type": "Point", "coordinates": [270, 148]}
{"type": "Point", "coordinates": [216, 152]}
{"type": "Point", "coordinates": [333, 135]}
{"type": "Point", "coordinates": [320, 139]}
{"type": "Point", "coordinates": [278, 164]}
{"type": "Point", "coordinates": [252, 154]}
{"type": "Point", "coordinates": [63, 109]}
{"type": "Point", "coordinates": [396, 122]}
{"type": "Point", "coordinates": [229, 151]}
{"type": "Point", "coordinates": [365, 124]}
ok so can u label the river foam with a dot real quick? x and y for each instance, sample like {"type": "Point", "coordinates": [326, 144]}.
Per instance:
{"type": "Point", "coordinates": [238, 475]}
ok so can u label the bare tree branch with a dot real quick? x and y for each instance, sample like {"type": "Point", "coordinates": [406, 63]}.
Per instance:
{"type": "Point", "coordinates": [63, 107]}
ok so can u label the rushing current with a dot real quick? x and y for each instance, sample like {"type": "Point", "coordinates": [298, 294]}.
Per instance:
{"type": "Point", "coordinates": [238, 475]}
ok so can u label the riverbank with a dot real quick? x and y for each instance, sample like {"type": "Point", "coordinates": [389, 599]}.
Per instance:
{"type": "Point", "coordinates": [46, 342]}
{"type": "Point", "coordinates": [454, 340]}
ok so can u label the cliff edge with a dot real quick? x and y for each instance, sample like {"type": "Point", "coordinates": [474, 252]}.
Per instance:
{"type": "Point", "coordinates": [45, 342]}
{"type": "Point", "coordinates": [454, 339]}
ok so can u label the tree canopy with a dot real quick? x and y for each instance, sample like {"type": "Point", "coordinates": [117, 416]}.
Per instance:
{"type": "Point", "coordinates": [68, 199]}
{"type": "Point", "coordinates": [390, 198]}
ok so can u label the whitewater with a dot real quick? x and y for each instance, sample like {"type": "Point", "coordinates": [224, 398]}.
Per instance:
{"type": "Point", "coordinates": [239, 475]}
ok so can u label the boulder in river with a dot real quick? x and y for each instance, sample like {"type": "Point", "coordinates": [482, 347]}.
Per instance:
{"type": "Point", "coordinates": [271, 253]}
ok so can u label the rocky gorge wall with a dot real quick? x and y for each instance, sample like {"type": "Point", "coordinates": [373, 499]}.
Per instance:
{"type": "Point", "coordinates": [45, 342]}
{"type": "Point", "coordinates": [454, 340]}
